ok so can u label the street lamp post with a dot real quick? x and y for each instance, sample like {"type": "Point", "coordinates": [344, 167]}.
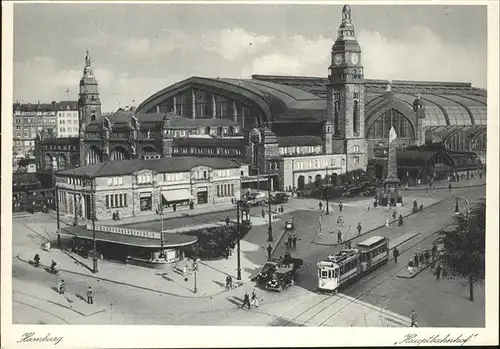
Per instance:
{"type": "Point", "coordinates": [57, 216]}
{"type": "Point", "coordinates": [238, 270]}
{"type": "Point", "coordinates": [326, 192]}
{"type": "Point", "coordinates": [269, 228]}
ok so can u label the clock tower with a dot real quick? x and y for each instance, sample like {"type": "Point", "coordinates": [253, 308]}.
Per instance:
{"type": "Point", "coordinates": [345, 96]}
{"type": "Point", "coordinates": [89, 103]}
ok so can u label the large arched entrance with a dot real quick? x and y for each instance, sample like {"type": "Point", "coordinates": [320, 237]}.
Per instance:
{"type": "Point", "coordinates": [301, 183]}
{"type": "Point", "coordinates": [93, 156]}
{"type": "Point", "coordinates": [119, 153]}
{"type": "Point", "coordinates": [62, 162]}
{"type": "Point", "coordinates": [334, 179]}
{"type": "Point", "coordinates": [317, 180]}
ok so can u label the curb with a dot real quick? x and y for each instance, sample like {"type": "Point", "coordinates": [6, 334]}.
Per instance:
{"type": "Point", "coordinates": [444, 188]}
{"type": "Point", "coordinates": [122, 283]}
{"type": "Point", "coordinates": [414, 274]}
{"type": "Point", "coordinates": [374, 229]}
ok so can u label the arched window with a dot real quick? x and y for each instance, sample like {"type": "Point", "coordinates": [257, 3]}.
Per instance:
{"type": "Point", "coordinates": [355, 123]}
{"type": "Point", "coordinates": [381, 127]}
{"type": "Point", "coordinates": [92, 117]}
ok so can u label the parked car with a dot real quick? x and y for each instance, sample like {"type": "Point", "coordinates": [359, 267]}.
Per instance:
{"type": "Point", "coordinates": [255, 199]}
{"type": "Point", "coordinates": [370, 191]}
{"type": "Point", "coordinates": [279, 198]}
{"type": "Point", "coordinates": [353, 191]}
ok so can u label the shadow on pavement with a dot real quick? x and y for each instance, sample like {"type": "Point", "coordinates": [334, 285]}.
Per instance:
{"type": "Point", "coordinates": [235, 302]}
{"type": "Point", "coordinates": [222, 285]}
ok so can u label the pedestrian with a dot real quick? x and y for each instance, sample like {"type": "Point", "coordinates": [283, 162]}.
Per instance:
{"type": "Point", "coordinates": [368, 208]}
{"type": "Point", "coordinates": [341, 221]}
{"type": "Point", "coordinates": [413, 319]}
{"type": "Point", "coordinates": [90, 300]}
{"type": "Point", "coordinates": [320, 206]}
{"type": "Point", "coordinates": [294, 241]}
{"type": "Point", "coordinates": [438, 271]}
{"type": "Point", "coordinates": [227, 221]}
{"type": "Point", "coordinates": [415, 260]}
{"type": "Point", "coordinates": [289, 241]}
{"type": "Point", "coordinates": [400, 220]}
{"type": "Point", "coordinates": [387, 222]}
{"type": "Point", "coordinates": [418, 182]}
{"type": "Point", "coordinates": [420, 258]}
{"type": "Point", "coordinates": [339, 236]}
{"type": "Point", "coordinates": [61, 287]}
{"type": "Point", "coordinates": [480, 175]}
{"type": "Point", "coordinates": [255, 300]}
{"type": "Point", "coordinates": [232, 246]}
{"type": "Point", "coordinates": [341, 206]}
{"type": "Point", "coordinates": [427, 256]}
{"type": "Point", "coordinates": [394, 214]}
{"type": "Point", "coordinates": [229, 250]}
{"type": "Point", "coordinates": [338, 221]}
{"type": "Point", "coordinates": [226, 252]}
{"type": "Point", "coordinates": [449, 187]}
{"type": "Point", "coordinates": [359, 228]}
{"type": "Point", "coordinates": [269, 251]}
{"type": "Point", "coordinates": [246, 301]}
{"type": "Point", "coordinates": [395, 254]}
{"type": "Point", "coordinates": [263, 213]}
{"type": "Point", "coordinates": [433, 256]}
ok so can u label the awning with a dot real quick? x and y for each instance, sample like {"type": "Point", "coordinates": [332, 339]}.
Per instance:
{"type": "Point", "coordinates": [176, 195]}
{"type": "Point", "coordinates": [170, 240]}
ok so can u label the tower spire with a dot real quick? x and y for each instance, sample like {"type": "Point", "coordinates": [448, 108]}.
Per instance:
{"type": "Point", "coordinates": [346, 29]}
{"type": "Point", "coordinates": [87, 70]}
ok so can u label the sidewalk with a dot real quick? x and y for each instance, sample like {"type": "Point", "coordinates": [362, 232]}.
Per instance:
{"type": "Point", "coordinates": [210, 277]}
{"type": "Point", "coordinates": [370, 220]}
{"type": "Point", "coordinates": [476, 182]}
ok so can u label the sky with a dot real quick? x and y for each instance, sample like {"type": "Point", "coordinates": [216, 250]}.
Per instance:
{"type": "Point", "coordinates": [139, 49]}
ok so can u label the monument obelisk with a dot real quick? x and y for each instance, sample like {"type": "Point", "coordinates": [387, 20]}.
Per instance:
{"type": "Point", "coordinates": [391, 183]}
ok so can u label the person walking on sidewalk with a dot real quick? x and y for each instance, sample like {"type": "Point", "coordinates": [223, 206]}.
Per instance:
{"type": "Point", "coordinates": [395, 253]}
{"type": "Point", "coordinates": [415, 260]}
{"type": "Point", "coordinates": [90, 300]}
{"type": "Point", "coordinates": [263, 213]}
{"type": "Point", "coordinates": [413, 317]}
{"type": "Point", "coordinates": [227, 221]}
{"type": "Point", "coordinates": [341, 206]}
{"type": "Point", "coordinates": [61, 287]}
{"type": "Point", "coordinates": [269, 251]}
{"type": "Point", "coordinates": [360, 227]}
{"type": "Point", "coordinates": [387, 222]}
{"type": "Point", "coordinates": [246, 301]}
{"type": "Point", "coordinates": [255, 300]}
{"type": "Point", "coordinates": [320, 206]}
{"type": "Point", "coordinates": [394, 214]}
{"type": "Point", "coordinates": [400, 220]}
{"type": "Point", "coordinates": [289, 241]}
{"type": "Point", "coordinates": [294, 241]}
{"type": "Point", "coordinates": [449, 187]}
{"type": "Point", "coordinates": [339, 236]}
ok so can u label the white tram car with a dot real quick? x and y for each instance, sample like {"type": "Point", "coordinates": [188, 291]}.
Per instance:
{"type": "Point", "coordinates": [349, 264]}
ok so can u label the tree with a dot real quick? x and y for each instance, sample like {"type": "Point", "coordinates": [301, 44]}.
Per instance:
{"type": "Point", "coordinates": [464, 247]}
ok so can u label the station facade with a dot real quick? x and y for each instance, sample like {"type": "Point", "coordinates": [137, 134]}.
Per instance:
{"type": "Point", "coordinates": [295, 129]}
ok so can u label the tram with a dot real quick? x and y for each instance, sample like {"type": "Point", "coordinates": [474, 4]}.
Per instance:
{"type": "Point", "coordinates": [349, 264]}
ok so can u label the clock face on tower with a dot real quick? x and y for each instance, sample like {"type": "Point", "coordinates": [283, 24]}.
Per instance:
{"type": "Point", "coordinates": [354, 58]}
{"type": "Point", "coordinates": [337, 59]}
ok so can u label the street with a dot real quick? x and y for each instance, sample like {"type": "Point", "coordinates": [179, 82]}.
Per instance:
{"type": "Point", "coordinates": [380, 299]}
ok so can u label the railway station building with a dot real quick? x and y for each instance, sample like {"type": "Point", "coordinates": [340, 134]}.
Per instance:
{"type": "Point", "coordinates": [295, 129]}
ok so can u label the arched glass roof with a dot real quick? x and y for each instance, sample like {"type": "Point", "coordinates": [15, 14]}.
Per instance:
{"type": "Point", "coordinates": [457, 114]}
